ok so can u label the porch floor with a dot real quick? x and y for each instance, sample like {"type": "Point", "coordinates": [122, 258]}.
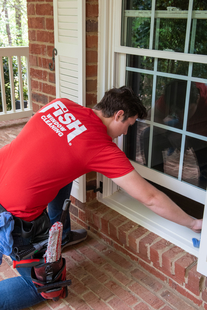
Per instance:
{"type": "Point", "coordinates": [102, 277]}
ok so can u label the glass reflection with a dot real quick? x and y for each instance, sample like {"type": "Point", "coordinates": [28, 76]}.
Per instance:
{"type": "Point", "coordinates": [195, 162]}
{"type": "Point", "coordinates": [197, 114]}
{"type": "Point", "coordinates": [165, 146]}
{"type": "Point", "coordinates": [142, 86]}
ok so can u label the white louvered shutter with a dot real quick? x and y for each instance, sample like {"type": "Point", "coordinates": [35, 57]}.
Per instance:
{"type": "Point", "coordinates": [69, 27]}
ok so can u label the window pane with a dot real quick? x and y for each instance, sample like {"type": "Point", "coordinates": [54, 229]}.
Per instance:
{"type": "Point", "coordinates": [197, 114]}
{"type": "Point", "coordinates": [142, 85]}
{"type": "Point", "coordinates": [141, 62]}
{"type": "Point", "coordinates": [200, 70]}
{"type": "Point", "coordinates": [199, 28]}
{"type": "Point", "coordinates": [170, 102]}
{"type": "Point", "coordinates": [170, 33]}
{"type": "Point", "coordinates": [173, 66]}
{"type": "Point", "coordinates": [195, 162]}
{"type": "Point", "coordinates": [136, 22]}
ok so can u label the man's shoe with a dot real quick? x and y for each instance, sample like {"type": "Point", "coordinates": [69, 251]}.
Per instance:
{"type": "Point", "coordinates": [75, 236]}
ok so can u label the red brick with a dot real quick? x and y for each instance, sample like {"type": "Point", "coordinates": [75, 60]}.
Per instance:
{"type": "Point", "coordinates": [91, 10]}
{"type": "Point", "coordinates": [91, 85]}
{"type": "Point", "coordinates": [50, 51]}
{"type": "Point", "coordinates": [118, 259]}
{"type": "Point", "coordinates": [92, 300]}
{"type": "Point", "coordinates": [180, 266]}
{"type": "Point", "coordinates": [184, 292]}
{"type": "Point", "coordinates": [37, 49]}
{"type": "Point", "coordinates": [91, 100]}
{"type": "Point", "coordinates": [98, 214]}
{"type": "Point", "coordinates": [176, 301]}
{"type": "Point", "coordinates": [34, 85]}
{"type": "Point", "coordinates": [36, 23]}
{"type": "Point", "coordinates": [39, 98]}
{"type": "Point", "coordinates": [33, 60]}
{"type": "Point", "coordinates": [32, 34]}
{"type": "Point", "coordinates": [117, 274]}
{"type": "Point", "coordinates": [114, 225]}
{"type": "Point", "coordinates": [44, 62]}
{"type": "Point", "coordinates": [38, 74]}
{"type": "Point", "coordinates": [124, 295]}
{"type": "Point", "coordinates": [147, 296]}
{"type": "Point", "coordinates": [194, 279]}
{"type": "Point", "coordinates": [49, 24]}
{"type": "Point", "coordinates": [101, 290]}
{"type": "Point", "coordinates": [91, 41]}
{"type": "Point", "coordinates": [118, 304]}
{"type": "Point", "coordinates": [135, 236]}
{"type": "Point", "coordinates": [91, 25]}
{"type": "Point", "coordinates": [153, 271]}
{"type": "Point", "coordinates": [35, 107]}
{"type": "Point", "coordinates": [91, 56]}
{"type": "Point", "coordinates": [156, 251]}
{"type": "Point", "coordinates": [51, 98]}
{"type": "Point", "coordinates": [141, 306]}
{"type": "Point", "coordinates": [101, 276]}
{"type": "Point", "coordinates": [51, 77]}
{"type": "Point", "coordinates": [49, 89]}
{"type": "Point", "coordinates": [45, 36]}
{"type": "Point", "coordinates": [124, 230]}
{"type": "Point", "coordinates": [147, 280]}
{"type": "Point", "coordinates": [111, 214]}
{"type": "Point", "coordinates": [91, 70]}
{"type": "Point", "coordinates": [168, 259]}
{"type": "Point", "coordinates": [144, 244]}
{"type": "Point", "coordinates": [44, 9]}
{"type": "Point", "coordinates": [30, 9]}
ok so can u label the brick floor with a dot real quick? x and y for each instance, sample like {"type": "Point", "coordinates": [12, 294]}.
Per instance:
{"type": "Point", "coordinates": [102, 277]}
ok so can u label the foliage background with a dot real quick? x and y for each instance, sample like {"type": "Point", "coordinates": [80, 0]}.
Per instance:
{"type": "Point", "coordinates": [13, 32]}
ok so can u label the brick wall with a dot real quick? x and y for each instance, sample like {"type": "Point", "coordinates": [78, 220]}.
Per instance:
{"type": "Point", "coordinates": [41, 44]}
{"type": "Point", "coordinates": [163, 259]}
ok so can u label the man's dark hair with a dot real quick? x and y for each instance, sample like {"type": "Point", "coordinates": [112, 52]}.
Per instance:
{"type": "Point", "coordinates": [175, 93]}
{"type": "Point", "coordinates": [122, 98]}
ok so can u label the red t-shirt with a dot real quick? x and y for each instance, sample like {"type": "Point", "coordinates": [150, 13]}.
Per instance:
{"type": "Point", "coordinates": [59, 144]}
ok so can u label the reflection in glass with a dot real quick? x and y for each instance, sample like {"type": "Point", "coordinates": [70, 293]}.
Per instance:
{"type": "Point", "coordinates": [136, 20]}
{"type": "Point", "coordinates": [142, 86]}
{"type": "Point", "coordinates": [133, 142]}
{"type": "Point", "coordinates": [172, 5]}
{"type": "Point", "coordinates": [141, 62]}
{"type": "Point", "coordinates": [195, 162]}
{"type": "Point", "coordinates": [173, 66]}
{"type": "Point", "coordinates": [170, 106]}
{"type": "Point", "coordinates": [197, 114]}
{"type": "Point", "coordinates": [165, 146]}
{"type": "Point", "coordinates": [170, 34]}
{"type": "Point", "coordinates": [200, 70]}
{"type": "Point", "coordinates": [198, 39]}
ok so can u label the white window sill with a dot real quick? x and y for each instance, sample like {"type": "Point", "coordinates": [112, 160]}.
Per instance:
{"type": "Point", "coordinates": [138, 213]}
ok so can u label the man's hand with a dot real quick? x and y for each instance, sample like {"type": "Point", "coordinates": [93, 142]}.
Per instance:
{"type": "Point", "coordinates": [196, 225]}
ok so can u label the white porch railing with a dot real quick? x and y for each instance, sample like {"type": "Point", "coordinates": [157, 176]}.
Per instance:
{"type": "Point", "coordinates": [18, 108]}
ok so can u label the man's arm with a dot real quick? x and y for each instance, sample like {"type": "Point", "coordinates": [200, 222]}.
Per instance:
{"type": "Point", "coordinates": [156, 200]}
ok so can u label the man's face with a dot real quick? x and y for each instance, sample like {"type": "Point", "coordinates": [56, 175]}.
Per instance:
{"type": "Point", "coordinates": [118, 127]}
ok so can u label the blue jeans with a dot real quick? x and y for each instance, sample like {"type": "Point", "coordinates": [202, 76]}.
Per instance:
{"type": "Point", "coordinates": [19, 292]}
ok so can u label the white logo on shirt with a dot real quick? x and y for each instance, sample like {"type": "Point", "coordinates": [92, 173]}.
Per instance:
{"type": "Point", "coordinates": [63, 116]}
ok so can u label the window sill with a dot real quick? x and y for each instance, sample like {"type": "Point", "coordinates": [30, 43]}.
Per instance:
{"type": "Point", "coordinates": [138, 213]}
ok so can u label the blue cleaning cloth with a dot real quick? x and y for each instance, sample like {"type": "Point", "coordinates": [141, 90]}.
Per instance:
{"type": "Point", "coordinates": [6, 239]}
{"type": "Point", "coordinates": [196, 242]}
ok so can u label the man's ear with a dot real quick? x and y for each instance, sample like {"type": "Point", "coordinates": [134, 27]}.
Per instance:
{"type": "Point", "coordinates": [118, 115]}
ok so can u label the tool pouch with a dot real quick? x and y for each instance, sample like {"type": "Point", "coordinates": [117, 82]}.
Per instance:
{"type": "Point", "coordinates": [50, 279]}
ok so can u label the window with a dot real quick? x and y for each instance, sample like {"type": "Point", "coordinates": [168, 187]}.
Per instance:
{"type": "Point", "coordinates": [158, 49]}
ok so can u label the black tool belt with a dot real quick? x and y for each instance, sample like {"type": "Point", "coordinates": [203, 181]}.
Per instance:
{"type": "Point", "coordinates": [36, 230]}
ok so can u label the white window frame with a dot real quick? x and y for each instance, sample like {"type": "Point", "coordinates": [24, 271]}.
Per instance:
{"type": "Point", "coordinates": [110, 73]}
